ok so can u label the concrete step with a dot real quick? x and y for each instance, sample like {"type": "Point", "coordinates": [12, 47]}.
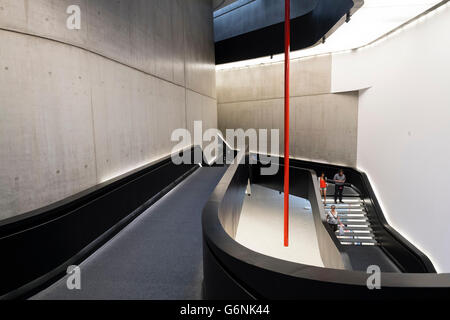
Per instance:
{"type": "Point", "coordinates": [350, 243]}
{"type": "Point", "coordinates": [364, 233]}
{"type": "Point", "coordinates": [354, 220]}
{"type": "Point", "coordinates": [358, 227]}
{"type": "Point", "coordinates": [354, 208]}
{"type": "Point", "coordinates": [356, 239]}
{"type": "Point", "coordinates": [343, 205]}
{"type": "Point", "coordinates": [352, 200]}
{"type": "Point", "coordinates": [352, 215]}
{"type": "Point", "coordinates": [348, 210]}
{"type": "Point", "coordinates": [359, 238]}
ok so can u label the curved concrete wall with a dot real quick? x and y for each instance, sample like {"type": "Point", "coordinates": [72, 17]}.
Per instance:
{"type": "Point", "coordinates": [81, 106]}
{"type": "Point", "coordinates": [323, 125]}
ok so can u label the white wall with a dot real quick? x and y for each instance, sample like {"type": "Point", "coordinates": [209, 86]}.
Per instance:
{"type": "Point", "coordinates": [404, 128]}
{"type": "Point", "coordinates": [78, 107]}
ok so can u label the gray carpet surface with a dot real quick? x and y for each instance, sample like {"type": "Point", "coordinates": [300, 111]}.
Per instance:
{"type": "Point", "coordinates": [361, 257]}
{"type": "Point", "coordinates": [157, 256]}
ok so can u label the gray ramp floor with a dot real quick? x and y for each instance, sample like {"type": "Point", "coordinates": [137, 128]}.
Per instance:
{"type": "Point", "coordinates": [157, 256]}
{"type": "Point", "coordinates": [361, 257]}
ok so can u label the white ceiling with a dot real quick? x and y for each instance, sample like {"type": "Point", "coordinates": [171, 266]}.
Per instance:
{"type": "Point", "coordinates": [372, 21]}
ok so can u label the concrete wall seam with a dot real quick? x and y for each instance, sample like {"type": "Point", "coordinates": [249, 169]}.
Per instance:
{"type": "Point", "coordinates": [79, 108]}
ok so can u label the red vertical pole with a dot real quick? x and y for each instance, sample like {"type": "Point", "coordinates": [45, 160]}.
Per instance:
{"type": "Point", "coordinates": [287, 48]}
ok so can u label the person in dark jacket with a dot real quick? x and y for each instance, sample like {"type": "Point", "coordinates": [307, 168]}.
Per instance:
{"type": "Point", "coordinates": [339, 180]}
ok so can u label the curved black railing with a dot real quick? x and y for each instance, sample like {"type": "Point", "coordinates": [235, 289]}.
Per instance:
{"type": "Point", "coordinates": [324, 232]}
{"type": "Point", "coordinates": [400, 250]}
{"type": "Point", "coordinates": [304, 184]}
{"type": "Point", "coordinates": [37, 247]}
{"type": "Point", "coordinates": [232, 271]}
{"type": "Point", "coordinates": [405, 255]}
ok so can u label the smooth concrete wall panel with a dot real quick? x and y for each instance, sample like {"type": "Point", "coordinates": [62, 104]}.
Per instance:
{"type": "Point", "coordinates": [404, 128]}
{"type": "Point", "coordinates": [264, 114]}
{"type": "Point", "coordinates": [46, 18]}
{"type": "Point", "coordinates": [171, 32]}
{"type": "Point", "coordinates": [134, 115]}
{"type": "Point", "coordinates": [178, 42]}
{"type": "Point", "coordinates": [46, 132]}
{"type": "Point", "coordinates": [199, 39]}
{"type": "Point", "coordinates": [109, 29]}
{"type": "Point", "coordinates": [326, 128]}
{"type": "Point", "coordinates": [80, 107]}
{"type": "Point", "coordinates": [308, 77]}
{"type": "Point", "coordinates": [210, 112]}
{"type": "Point", "coordinates": [322, 127]}
{"type": "Point", "coordinates": [252, 83]}
{"type": "Point", "coordinates": [194, 110]}
{"type": "Point", "coordinates": [200, 108]}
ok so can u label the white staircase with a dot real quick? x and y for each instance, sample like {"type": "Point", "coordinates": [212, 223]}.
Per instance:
{"type": "Point", "coordinates": [352, 213]}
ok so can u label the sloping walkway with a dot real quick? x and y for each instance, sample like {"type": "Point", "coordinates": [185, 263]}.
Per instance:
{"type": "Point", "coordinates": [262, 221]}
{"type": "Point", "coordinates": [157, 256]}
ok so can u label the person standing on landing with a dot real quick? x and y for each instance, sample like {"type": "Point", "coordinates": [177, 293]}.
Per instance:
{"type": "Point", "coordinates": [339, 180]}
{"type": "Point", "coordinates": [323, 188]}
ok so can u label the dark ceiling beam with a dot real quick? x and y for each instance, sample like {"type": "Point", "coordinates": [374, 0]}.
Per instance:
{"type": "Point", "coordinates": [313, 21]}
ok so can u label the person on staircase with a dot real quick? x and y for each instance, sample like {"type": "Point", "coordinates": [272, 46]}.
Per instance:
{"type": "Point", "coordinates": [339, 180]}
{"type": "Point", "coordinates": [323, 188]}
{"type": "Point", "coordinates": [333, 219]}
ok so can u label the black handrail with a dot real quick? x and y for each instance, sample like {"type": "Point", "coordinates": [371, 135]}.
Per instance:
{"type": "Point", "coordinates": [232, 271]}
{"type": "Point", "coordinates": [322, 225]}
{"type": "Point", "coordinates": [346, 184]}
{"type": "Point", "coordinates": [37, 247]}
{"type": "Point", "coordinates": [424, 264]}
{"type": "Point", "coordinates": [404, 254]}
